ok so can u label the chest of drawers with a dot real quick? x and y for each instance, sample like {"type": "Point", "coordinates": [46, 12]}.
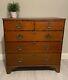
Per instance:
{"type": "Point", "coordinates": [33, 43]}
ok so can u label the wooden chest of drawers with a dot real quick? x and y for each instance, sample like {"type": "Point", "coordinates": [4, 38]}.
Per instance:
{"type": "Point", "coordinates": [33, 42]}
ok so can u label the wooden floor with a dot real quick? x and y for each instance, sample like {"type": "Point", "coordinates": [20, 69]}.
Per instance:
{"type": "Point", "coordinates": [36, 74]}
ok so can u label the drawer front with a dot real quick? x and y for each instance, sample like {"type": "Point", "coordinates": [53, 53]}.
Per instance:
{"type": "Point", "coordinates": [49, 25]}
{"type": "Point", "coordinates": [32, 59]}
{"type": "Point", "coordinates": [24, 47]}
{"type": "Point", "coordinates": [41, 25]}
{"type": "Point", "coordinates": [34, 36]}
{"type": "Point", "coordinates": [18, 25]}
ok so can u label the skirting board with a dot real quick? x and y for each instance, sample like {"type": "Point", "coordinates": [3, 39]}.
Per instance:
{"type": "Point", "coordinates": [64, 56]}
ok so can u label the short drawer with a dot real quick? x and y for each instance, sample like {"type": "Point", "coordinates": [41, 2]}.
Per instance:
{"type": "Point", "coordinates": [49, 25]}
{"type": "Point", "coordinates": [18, 25]}
{"type": "Point", "coordinates": [24, 47]}
{"type": "Point", "coordinates": [34, 36]}
{"type": "Point", "coordinates": [32, 59]}
{"type": "Point", "coordinates": [41, 25]}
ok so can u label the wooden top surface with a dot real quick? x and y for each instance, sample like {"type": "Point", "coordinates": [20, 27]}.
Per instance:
{"type": "Point", "coordinates": [45, 18]}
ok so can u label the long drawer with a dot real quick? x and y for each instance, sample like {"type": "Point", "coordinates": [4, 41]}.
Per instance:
{"type": "Point", "coordinates": [34, 36]}
{"type": "Point", "coordinates": [32, 59]}
{"type": "Point", "coordinates": [21, 47]}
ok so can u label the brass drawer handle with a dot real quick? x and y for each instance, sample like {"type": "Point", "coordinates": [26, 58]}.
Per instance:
{"type": "Point", "coordinates": [20, 61]}
{"type": "Point", "coordinates": [19, 48]}
{"type": "Point", "coordinates": [49, 27]}
{"type": "Point", "coordinates": [18, 26]}
{"type": "Point", "coordinates": [19, 37]}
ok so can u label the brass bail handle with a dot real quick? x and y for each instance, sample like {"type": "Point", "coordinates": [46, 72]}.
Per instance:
{"type": "Point", "coordinates": [19, 48]}
{"type": "Point", "coordinates": [19, 37]}
{"type": "Point", "coordinates": [18, 26]}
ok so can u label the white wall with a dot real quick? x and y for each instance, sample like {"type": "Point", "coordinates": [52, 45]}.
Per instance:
{"type": "Point", "coordinates": [39, 8]}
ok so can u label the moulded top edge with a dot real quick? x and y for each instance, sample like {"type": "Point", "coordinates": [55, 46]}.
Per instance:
{"type": "Point", "coordinates": [45, 18]}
